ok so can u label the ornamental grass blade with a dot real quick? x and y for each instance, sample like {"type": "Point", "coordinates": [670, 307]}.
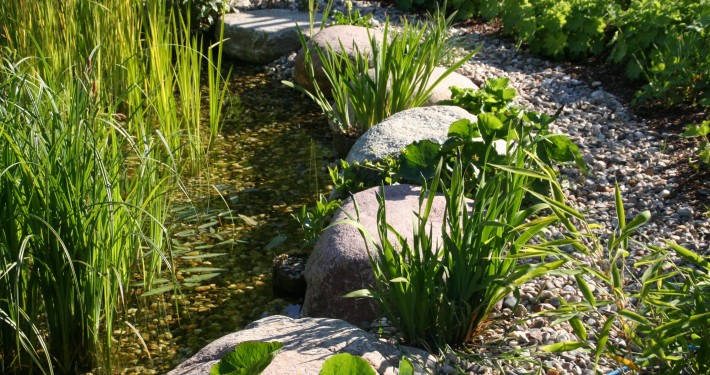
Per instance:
{"type": "Point", "coordinates": [563, 346]}
{"type": "Point", "coordinates": [586, 291]}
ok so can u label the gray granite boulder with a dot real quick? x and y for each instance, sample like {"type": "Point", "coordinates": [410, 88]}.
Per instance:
{"type": "Point", "coordinates": [442, 91]}
{"type": "Point", "coordinates": [353, 38]}
{"type": "Point", "coordinates": [340, 263]}
{"type": "Point", "coordinates": [308, 342]}
{"type": "Point", "coordinates": [399, 130]}
{"type": "Point", "coordinates": [261, 36]}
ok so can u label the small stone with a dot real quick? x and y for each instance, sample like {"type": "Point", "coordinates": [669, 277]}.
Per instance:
{"type": "Point", "coordinates": [665, 193]}
{"type": "Point", "coordinates": [685, 213]}
{"type": "Point", "coordinates": [520, 311]}
{"type": "Point", "coordinates": [510, 302]}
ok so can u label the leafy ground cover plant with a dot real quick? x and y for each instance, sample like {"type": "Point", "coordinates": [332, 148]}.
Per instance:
{"type": "Point", "coordinates": [398, 79]}
{"type": "Point", "coordinates": [702, 132]}
{"type": "Point", "coordinates": [351, 17]}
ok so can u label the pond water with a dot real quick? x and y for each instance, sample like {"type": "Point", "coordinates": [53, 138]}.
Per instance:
{"type": "Point", "coordinates": [270, 160]}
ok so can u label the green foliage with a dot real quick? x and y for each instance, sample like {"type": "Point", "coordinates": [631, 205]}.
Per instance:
{"type": "Point", "coordinates": [494, 96]}
{"type": "Point", "coordinates": [399, 78]}
{"type": "Point", "coordinates": [351, 17]}
{"type": "Point", "coordinates": [313, 220]}
{"type": "Point", "coordinates": [88, 172]}
{"type": "Point", "coordinates": [441, 294]}
{"type": "Point", "coordinates": [666, 320]}
{"type": "Point", "coordinates": [664, 42]}
{"type": "Point", "coordinates": [247, 358]}
{"type": "Point", "coordinates": [569, 28]}
{"type": "Point", "coordinates": [701, 131]}
{"type": "Point", "coordinates": [346, 364]}
{"type": "Point", "coordinates": [203, 14]}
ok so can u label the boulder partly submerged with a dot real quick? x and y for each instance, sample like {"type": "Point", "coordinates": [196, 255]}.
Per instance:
{"type": "Point", "coordinates": [308, 342]}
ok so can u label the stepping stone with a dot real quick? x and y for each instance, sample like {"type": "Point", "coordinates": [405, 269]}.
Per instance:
{"type": "Point", "coordinates": [442, 91]}
{"type": "Point", "coordinates": [309, 342]}
{"type": "Point", "coordinates": [399, 130]}
{"type": "Point", "coordinates": [261, 36]}
{"type": "Point", "coordinates": [340, 262]}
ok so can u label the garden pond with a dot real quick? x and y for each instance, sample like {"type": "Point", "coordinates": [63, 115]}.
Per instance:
{"type": "Point", "coordinates": [270, 159]}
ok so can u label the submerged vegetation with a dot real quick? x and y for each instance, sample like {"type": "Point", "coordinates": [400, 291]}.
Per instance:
{"type": "Point", "coordinates": [95, 142]}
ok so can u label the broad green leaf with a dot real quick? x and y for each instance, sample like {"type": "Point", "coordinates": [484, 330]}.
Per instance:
{"type": "Point", "coordinates": [419, 159]}
{"type": "Point", "coordinates": [489, 124]}
{"type": "Point", "coordinates": [700, 130]}
{"type": "Point", "coordinates": [405, 366]}
{"type": "Point", "coordinates": [463, 128]}
{"type": "Point", "coordinates": [247, 358]}
{"type": "Point", "coordinates": [563, 346]}
{"type": "Point", "coordinates": [346, 364]}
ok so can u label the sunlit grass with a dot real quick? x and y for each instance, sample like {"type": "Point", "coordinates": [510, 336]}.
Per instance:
{"type": "Point", "coordinates": [99, 120]}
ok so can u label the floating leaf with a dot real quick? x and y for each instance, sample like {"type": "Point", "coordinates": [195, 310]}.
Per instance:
{"type": "Point", "coordinates": [203, 256]}
{"type": "Point", "coordinates": [275, 242]}
{"type": "Point", "coordinates": [200, 278]}
{"type": "Point", "coordinates": [161, 290]}
{"type": "Point", "coordinates": [185, 233]}
{"type": "Point", "coordinates": [208, 225]}
{"type": "Point", "coordinates": [202, 269]}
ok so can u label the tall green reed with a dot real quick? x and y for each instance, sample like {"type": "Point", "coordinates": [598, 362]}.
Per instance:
{"type": "Point", "coordinates": [92, 151]}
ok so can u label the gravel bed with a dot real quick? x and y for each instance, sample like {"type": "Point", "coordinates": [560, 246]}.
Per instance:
{"type": "Point", "coordinates": [619, 148]}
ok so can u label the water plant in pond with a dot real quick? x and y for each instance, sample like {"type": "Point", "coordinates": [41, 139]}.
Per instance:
{"type": "Point", "coordinates": [399, 77]}
{"type": "Point", "coordinates": [92, 152]}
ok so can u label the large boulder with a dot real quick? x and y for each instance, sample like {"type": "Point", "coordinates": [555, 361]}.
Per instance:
{"type": "Point", "coordinates": [399, 130]}
{"type": "Point", "coordinates": [341, 38]}
{"type": "Point", "coordinates": [308, 342]}
{"type": "Point", "coordinates": [441, 91]}
{"type": "Point", "coordinates": [340, 262]}
{"type": "Point", "coordinates": [261, 36]}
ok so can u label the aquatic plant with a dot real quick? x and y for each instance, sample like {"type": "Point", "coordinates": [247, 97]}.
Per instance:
{"type": "Point", "coordinates": [92, 150]}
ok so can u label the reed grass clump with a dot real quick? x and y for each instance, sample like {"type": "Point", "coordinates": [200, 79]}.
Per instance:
{"type": "Point", "coordinates": [395, 75]}
{"type": "Point", "coordinates": [93, 144]}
